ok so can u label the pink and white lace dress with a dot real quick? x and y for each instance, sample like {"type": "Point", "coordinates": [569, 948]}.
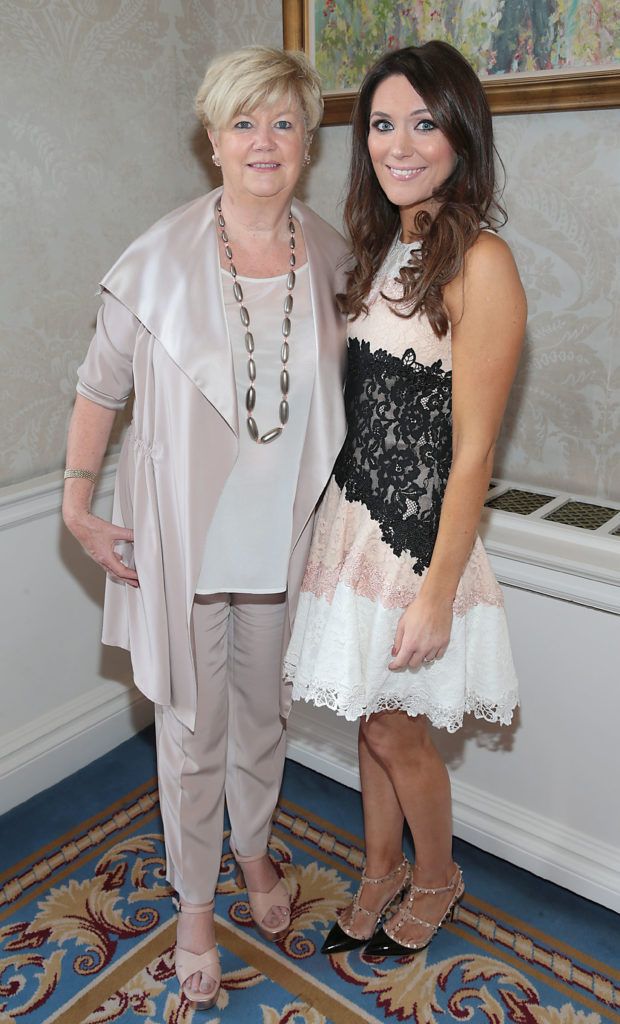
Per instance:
{"type": "Point", "coordinates": [374, 535]}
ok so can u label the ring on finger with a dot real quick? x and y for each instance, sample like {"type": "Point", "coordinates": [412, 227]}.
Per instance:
{"type": "Point", "coordinates": [428, 661]}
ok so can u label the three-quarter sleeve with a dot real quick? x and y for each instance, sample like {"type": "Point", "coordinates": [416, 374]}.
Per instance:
{"type": "Point", "coordinates": [106, 375]}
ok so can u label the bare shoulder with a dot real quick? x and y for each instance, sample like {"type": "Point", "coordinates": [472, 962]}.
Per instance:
{"type": "Point", "coordinates": [489, 278]}
{"type": "Point", "coordinates": [490, 254]}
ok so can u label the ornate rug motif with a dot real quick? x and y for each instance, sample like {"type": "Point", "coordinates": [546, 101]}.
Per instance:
{"type": "Point", "coordinates": [87, 933]}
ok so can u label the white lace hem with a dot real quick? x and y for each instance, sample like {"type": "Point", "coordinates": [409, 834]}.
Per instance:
{"type": "Point", "coordinates": [440, 717]}
{"type": "Point", "coordinates": [340, 650]}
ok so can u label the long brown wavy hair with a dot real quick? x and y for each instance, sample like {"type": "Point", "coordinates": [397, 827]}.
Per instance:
{"type": "Point", "coordinates": [468, 199]}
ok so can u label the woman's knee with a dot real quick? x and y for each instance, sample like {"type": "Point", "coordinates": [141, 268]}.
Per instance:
{"type": "Point", "coordinates": [392, 736]}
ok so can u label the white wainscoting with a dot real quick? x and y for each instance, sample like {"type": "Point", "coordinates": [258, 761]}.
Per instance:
{"type": "Point", "coordinates": [65, 699]}
{"type": "Point", "coordinates": [542, 794]}
{"type": "Point", "coordinates": [58, 742]}
{"type": "Point", "coordinates": [536, 842]}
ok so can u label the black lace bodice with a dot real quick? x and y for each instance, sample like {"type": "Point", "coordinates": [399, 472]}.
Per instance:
{"type": "Point", "coordinates": [398, 450]}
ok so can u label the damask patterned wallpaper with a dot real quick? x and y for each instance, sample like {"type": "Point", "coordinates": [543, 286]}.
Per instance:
{"type": "Point", "coordinates": [562, 429]}
{"type": "Point", "coordinates": [100, 140]}
{"type": "Point", "coordinates": [562, 196]}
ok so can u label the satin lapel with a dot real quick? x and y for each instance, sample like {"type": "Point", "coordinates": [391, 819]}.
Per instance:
{"type": "Point", "coordinates": [326, 421]}
{"type": "Point", "coordinates": [170, 279]}
{"type": "Point", "coordinates": [205, 354]}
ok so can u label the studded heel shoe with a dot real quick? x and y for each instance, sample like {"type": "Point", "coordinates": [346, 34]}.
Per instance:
{"type": "Point", "coordinates": [341, 938]}
{"type": "Point", "coordinates": [386, 941]}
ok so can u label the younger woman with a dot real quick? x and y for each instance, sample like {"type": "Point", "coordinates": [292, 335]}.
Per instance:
{"type": "Point", "coordinates": [400, 621]}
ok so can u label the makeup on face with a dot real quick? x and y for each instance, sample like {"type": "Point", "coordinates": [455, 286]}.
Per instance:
{"type": "Point", "coordinates": [410, 155]}
{"type": "Point", "coordinates": [262, 151]}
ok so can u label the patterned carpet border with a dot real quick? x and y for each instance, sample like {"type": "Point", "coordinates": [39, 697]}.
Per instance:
{"type": "Point", "coordinates": [87, 932]}
{"type": "Point", "coordinates": [563, 965]}
{"type": "Point", "coordinates": [74, 844]}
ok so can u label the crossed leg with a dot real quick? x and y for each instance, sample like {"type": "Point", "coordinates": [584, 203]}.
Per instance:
{"type": "Point", "coordinates": [404, 778]}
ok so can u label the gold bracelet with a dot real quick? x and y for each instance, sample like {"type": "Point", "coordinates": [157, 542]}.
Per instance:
{"type": "Point", "coordinates": [83, 474]}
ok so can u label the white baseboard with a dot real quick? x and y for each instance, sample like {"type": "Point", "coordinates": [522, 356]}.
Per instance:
{"type": "Point", "coordinates": [56, 744]}
{"type": "Point", "coordinates": [50, 732]}
{"type": "Point", "coordinates": [62, 741]}
{"type": "Point", "coordinates": [548, 849]}
{"type": "Point", "coordinates": [545, 847]}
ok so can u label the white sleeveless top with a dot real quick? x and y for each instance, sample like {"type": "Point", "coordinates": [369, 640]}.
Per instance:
{"type": "Point", "coordinates": [249, 540]}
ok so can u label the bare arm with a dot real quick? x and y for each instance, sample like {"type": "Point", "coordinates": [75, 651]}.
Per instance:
{"type": "Point", "coordinates": [89, 433]}
{"type": "Point", "coordinates": [105, 382]}
{"type": "Point", "coordinates": [487, 309]}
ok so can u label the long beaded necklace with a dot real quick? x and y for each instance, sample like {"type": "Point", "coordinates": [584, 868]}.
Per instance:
{"type": "Point", "coordinates": [250, 395]}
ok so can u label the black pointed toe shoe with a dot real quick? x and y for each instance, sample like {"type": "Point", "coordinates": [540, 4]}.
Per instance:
{"type": "Point", "coordinates": [382, 945]}
{"type": "Point", "coordinates": [341, 941]}
{"type": "Point", "coordinates": [384, 941]}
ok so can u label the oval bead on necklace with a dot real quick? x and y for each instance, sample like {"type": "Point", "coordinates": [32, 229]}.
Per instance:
{"type": "Point", "coordinates": [285, 380]}
{"type": "Point", "coordinates": [271, 435]}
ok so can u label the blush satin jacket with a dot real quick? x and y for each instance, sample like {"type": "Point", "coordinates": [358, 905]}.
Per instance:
{"type": "Point", "coordinates": [165, 337]}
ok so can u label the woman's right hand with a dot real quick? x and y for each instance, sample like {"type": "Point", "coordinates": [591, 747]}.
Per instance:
{"type": "Point", "coordinates": [98, 537]}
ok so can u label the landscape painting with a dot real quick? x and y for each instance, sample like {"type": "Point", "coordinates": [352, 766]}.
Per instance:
{"type": "Point", "coordinates": [499, 37]}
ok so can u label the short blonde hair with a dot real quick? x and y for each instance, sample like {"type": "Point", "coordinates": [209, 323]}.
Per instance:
{"type": "Point", "coordinates": [256, 75]}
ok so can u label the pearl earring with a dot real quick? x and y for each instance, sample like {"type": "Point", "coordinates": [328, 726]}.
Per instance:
{"type": "Point", "coordinates": [307, 159]}
{"type": "Point", "coordinates": [216, 160]}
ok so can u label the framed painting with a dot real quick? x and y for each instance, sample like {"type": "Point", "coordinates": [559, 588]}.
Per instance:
{"type": "Point", "coordinates": [531, 55]}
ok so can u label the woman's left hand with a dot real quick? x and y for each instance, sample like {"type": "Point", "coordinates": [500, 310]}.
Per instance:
{"type": "Point", "coordinates": [423, 633]}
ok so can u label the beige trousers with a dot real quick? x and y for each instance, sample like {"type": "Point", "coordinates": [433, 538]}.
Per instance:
{"type": "Point", "coordinates": [236, 752]}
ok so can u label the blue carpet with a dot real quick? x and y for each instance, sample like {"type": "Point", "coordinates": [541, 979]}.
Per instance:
{"type": "Point", "coordinates": [87, 928]}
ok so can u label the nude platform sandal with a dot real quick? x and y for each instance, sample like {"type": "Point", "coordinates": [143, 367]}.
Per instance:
{"type": "Point", "coordinates": [187, 963]}
{"type": "Point", "coordinates": [262, 902]}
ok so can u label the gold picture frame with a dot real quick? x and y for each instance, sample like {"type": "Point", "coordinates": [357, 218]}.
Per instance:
{"type": "Point", "coordinates": [581, 89]}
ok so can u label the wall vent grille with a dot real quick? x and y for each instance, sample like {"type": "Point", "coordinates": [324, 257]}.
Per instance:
{"type": "Point", "coordinates": [582, 514]}
{"type": "Point", "coordinates": [563, 509]}
{"type": "Point", "coordinates": [522, 503]}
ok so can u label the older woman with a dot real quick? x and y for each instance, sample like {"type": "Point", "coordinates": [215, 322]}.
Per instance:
{"type": "Point", "coordinates": [222, 320]}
